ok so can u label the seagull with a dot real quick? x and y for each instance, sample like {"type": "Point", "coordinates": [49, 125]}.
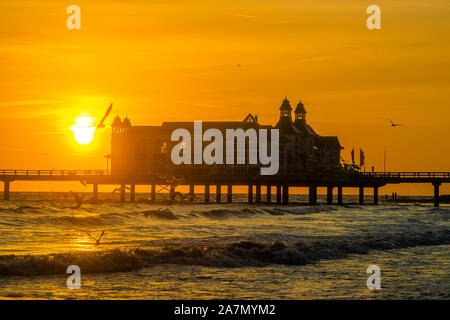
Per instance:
{"type": "Point", "coordinates": [97, 241]}
{"type": "Point", "coordinates": [101, 123]}
{"type": "Point", "coordinates": [395, 124]}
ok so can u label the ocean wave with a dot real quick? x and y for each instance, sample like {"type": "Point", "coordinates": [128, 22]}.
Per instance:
{"type": "Point", "coordinates": [165, 214]}
{"type": "Point", "coordinates": [224, 212]}
{"type": "Point", "coordinates": [236, 254]}
{"type": "Point", "coordinates": [89, 262]}
{"type": "Point", "coordinates": [105, 219]}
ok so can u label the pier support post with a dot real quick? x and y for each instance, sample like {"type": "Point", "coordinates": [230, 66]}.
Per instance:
{"type": "Point", "coordinates": [312, 195]}
{"type": "Point", "coordinates": [95, 192]}
{"type": "Point", "coordinates": [375, 195]}
{"type": "Point", "coordinates": [132, 192]}
{"type": "Point", "coordinates": [191, 192]}
{"type": "Point", "coordinates": [206, 193]}
{"type": "Point", "coordinates": [329, 195]}
{"type": "Point", "coordinates": [6, 190]}
{"type": "Point", "coordinates": [218, 193]}
{"type": "Point", "coordinates": [361, 195]}
{"type": "Point", "coordinates": [172, 193]}
{"type": "Point", "coordinates": [258, 193]}
{"type": "Point", "coordinates": [122, 193]}
{"type": "Point", "coordinates": [285, 194]}
{"type": "Point", "coordinates": [278, 194]}
{"type": "Point", "coordinates": [230, 193]}
{"type": "Point", "coordinates": [250, 194]}
{"type": "Point", "coordinates": [436, 193]}
{"type": "Point", "coordinates": [269, 194]}
{"type": "Point", "coordinates": [339, 196]}
{"type": "Point", "coordinates": [153, 193]}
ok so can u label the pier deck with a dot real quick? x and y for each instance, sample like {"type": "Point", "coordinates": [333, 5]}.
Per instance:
{"type": "Point", "coordinates": [281, 181]}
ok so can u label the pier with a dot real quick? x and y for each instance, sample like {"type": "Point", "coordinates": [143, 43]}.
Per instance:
{"type": "Point", "coordinates": [334, 183]}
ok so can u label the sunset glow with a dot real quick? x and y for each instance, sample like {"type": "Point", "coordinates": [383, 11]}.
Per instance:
{"type": "Point", "coordinates": [220, 60]}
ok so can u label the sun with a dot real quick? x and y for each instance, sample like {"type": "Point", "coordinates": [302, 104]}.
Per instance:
{"type": "Point", "coordinates": [83, 129]}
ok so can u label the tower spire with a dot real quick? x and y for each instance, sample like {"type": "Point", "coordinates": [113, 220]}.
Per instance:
{"type": "Point", "coordinates": [300, 112]}
{"type": "Point", "coordinates": [285, 109]}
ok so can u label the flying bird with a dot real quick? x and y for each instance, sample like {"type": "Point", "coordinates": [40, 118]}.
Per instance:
{"type": "Point", "coordinates": [101, 123]}
{"type": "Point", "coordinates": [395, 124]}
{"type": "Point", "coordinates": [97, 241]}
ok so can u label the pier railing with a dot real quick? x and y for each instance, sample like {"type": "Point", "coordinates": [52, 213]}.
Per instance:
{"type": "Point", "coordinates": [52, 172]}
{"type": "Point", "coordinates": [426, 175]}
{"type": "Point", "coordinates": [101, 172]}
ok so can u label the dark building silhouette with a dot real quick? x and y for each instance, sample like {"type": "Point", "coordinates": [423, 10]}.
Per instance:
{"type": "Point", "coordinates": [137, 150]}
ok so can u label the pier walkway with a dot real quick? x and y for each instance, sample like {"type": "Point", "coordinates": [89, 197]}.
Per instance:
{"type": "Point", "coordinates": [282, 181]}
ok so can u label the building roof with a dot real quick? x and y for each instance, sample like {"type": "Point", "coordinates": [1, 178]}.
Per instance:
{"type": "Point", "coordinates": [221, 125]}
{"type": "Point", "coordinates": [305, 128]}
{"type": "Point", "coordinates": [332, 140]}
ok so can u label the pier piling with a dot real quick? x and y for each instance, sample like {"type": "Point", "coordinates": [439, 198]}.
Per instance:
{"type": "Point", "coordinates": [258, 193]}
{"type": "Point", "coordinates": [278, 194]}
{"type": "Point", "coordinates": [436, 193]}
{"type": "Point", "coordinates": [269, 194]}
{"type": "Point", "coordinates": [153, 193]}
{"type": "Point", "coordinates": [218, 193]}
{"type": "Point", "coordinates": [312, 195]}
{"type": "Point", "coordinates": [285, 194]}
{"type": "Point", "coordinates": [375, 195]}
{"type": "Point", "coordinates": [329, 195]}
{"type": "Point", "coordinates": [250, 194]}
{"type": "Point", "coordinates": [230, 193]}
{"type": "Point", "coordinates": [191, 192]}
{"type": "Point", "coordinates": [6, 190]}
{"type": "Point", "coordinates": [122, 193]}
{"type": "Point", "coordinates": [339, 196]}
{"type": "Point", "coordinates": [206, 193]}
{"type": "Point", "coordinates": [132, 193]}
{"type": "Point", "coordinates": [361, 195]}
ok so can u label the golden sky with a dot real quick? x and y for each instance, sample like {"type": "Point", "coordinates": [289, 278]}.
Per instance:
{"type": "Point", "coordinates": [177, 60]}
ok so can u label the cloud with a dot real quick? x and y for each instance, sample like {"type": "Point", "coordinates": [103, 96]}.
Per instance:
{"type": "Point", "coordinates": [204, 105]}
{"type": "Point", "coordinates": [28, 102]}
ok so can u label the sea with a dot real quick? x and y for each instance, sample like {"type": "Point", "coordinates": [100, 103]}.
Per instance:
{"type": "Point", "coordinates": [185, 250]}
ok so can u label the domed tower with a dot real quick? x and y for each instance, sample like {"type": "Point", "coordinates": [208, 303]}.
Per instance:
{"type": "Point", "coordinates": [285, 123]}
{"type": "Point", "coordinates": [126, 124]}
{"type": "Point", "coordinates": [116, 125]}
{"type": "Point", "coordinates": [300, 112]}
{"type": "Point", "coordinates": [285, 109]}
